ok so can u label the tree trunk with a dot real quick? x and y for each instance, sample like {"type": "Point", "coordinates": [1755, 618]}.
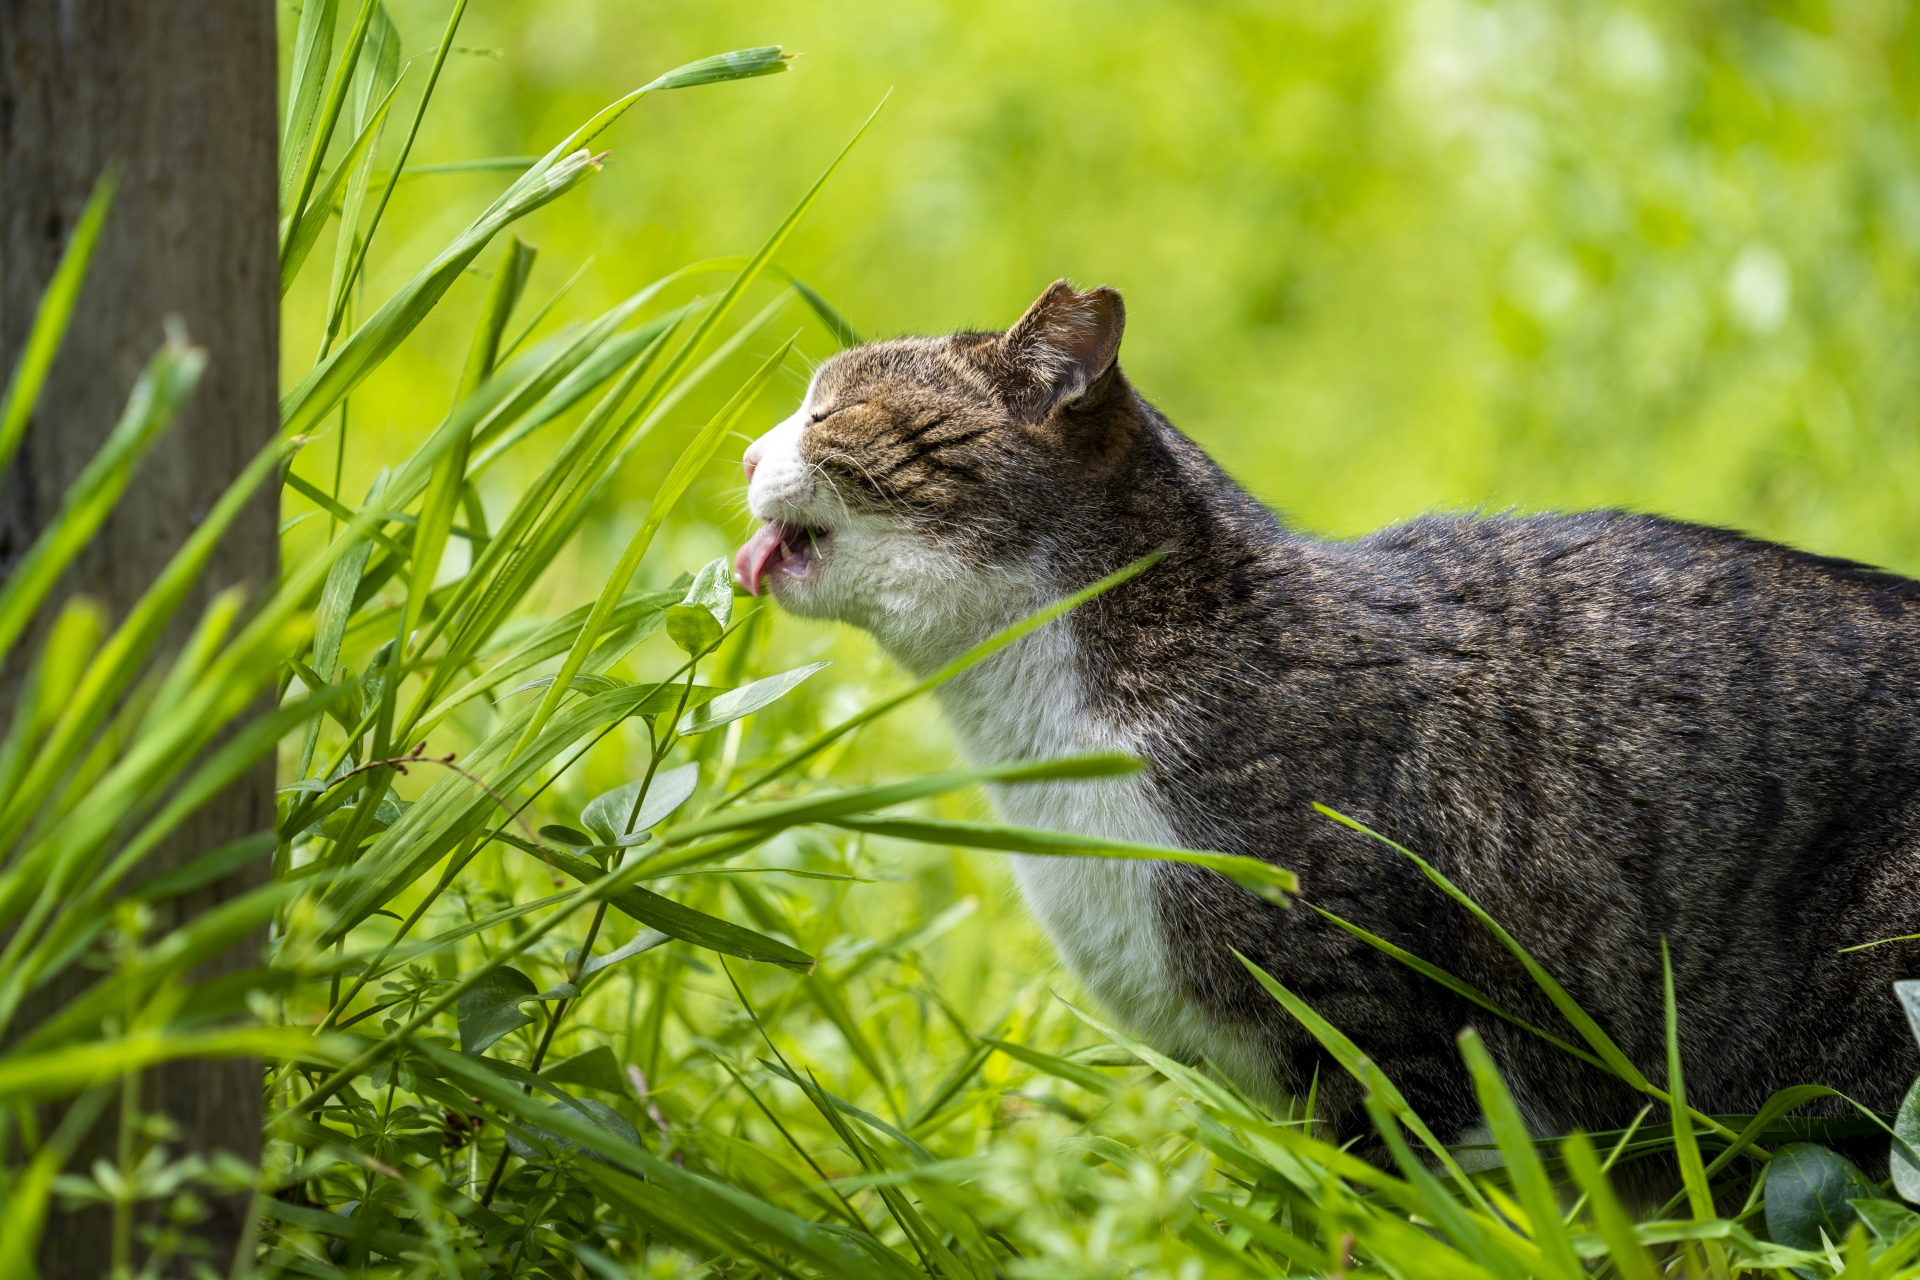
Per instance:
{"type": "Point", "coordinates": [180, 95]}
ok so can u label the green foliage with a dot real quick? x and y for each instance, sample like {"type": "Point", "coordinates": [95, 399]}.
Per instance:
{"type": "Point", "coordinates": [600, 944]}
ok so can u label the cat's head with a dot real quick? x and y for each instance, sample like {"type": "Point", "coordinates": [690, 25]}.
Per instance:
{"type": "Point", "coordinates": [927, 487]}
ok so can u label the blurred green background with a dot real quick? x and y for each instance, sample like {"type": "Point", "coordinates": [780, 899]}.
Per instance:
{"type": "Point", "coordinates": [1380, 256]}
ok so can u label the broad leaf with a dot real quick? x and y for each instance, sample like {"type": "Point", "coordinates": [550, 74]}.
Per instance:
{"type": "Point", "coordinates": [713, 587]}
{"type": "Point", "coordinates": [566, 835]}
{"type": "Point", "coordinates": [607, 815]}
{"type": "Point", "coordinates": [693, 627]}
{"type": "Point", "coordinates": [645, 940]}
{"type": "Point", "coordinates": [1808, 1188]}
{"type": "Point", "coordinates": [745, 700]}
{"type": "Point", "coordinates": [597, 1068]}
{"type": "Point", "coordinates": [1906, 1145]}
{"type": "Point", "coordinates": [1908, 993]}
{"type": "Point", "coordinates": [1887, 1219]}
{"type": "Point", "coordinates": [492, 1009]}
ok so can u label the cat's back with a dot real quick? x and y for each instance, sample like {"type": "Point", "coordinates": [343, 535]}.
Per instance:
{"type": "Point", "coordinates": [1615, 600]}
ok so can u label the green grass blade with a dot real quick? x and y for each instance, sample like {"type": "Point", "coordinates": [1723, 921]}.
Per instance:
{"type": "Point", "coordinates": [725, 1209]}
{"type": "Point", "coordinates": [48, 686]}
{"type": "Point", "coordinates": [343, 286]}
{"type": "Point", "coordinates": [1601, 1043]}
{"type": "Point", "coordinates": [450, 472]}
{"type": "Point", "coordinates": [835, 804]}
{"type": "Point", "coordinates": [24, 1216]}
{"type": "Point", "coordinates": [62, 1072]}
{"type": "Point", "coordinates": [379, 74]}
{"type": "Point", "coordinates": [313, 148]}
{"type": "Point", "coordinates": [1260, 878]}
{"type": "Point", "coordinates": [163, 387]}
{"type": "Point", "coordinates": [692, 460]}
{"type": "Point", "coordinates": [312, 54]}
{"type": "Point", "coordinates": [1448, 1214]}
{"type": "Point", "coordinates": [1615, 1227]}
{"type": "Point", "coordinates": [50, 319]}
{"type": "Point", "coordinates": [1524, 1166]}
{"type": "Point", "coordinates": [300, 239]}
{"type": "Point", "coordinates": [303, 408]}
{"type": "Point", "coordinates": [1363, 1069]}
{"type": "Point", "coordinates": [1685, 1146]}
{"type": "Point", "coordinates": [1465, 990]}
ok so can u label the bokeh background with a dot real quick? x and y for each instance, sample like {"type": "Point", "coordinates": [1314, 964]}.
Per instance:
{"type": "Point", "coordinates": [1380, 256]}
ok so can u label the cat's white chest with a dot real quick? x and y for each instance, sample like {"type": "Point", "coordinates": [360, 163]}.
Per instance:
{"type": "Point", "coordinates": [1101, 913]}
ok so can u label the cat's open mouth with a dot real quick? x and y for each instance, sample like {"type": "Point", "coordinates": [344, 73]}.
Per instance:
{"type": "Point", "coordinates": [777, 548]}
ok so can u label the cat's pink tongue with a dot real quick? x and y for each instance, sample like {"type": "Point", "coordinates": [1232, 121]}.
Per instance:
{"type": "Point", "coordinates": [750, 562]}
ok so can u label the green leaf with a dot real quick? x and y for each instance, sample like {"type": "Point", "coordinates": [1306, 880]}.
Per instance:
{"type": "Point", "coordinates": [607, 815]}
{"type": "Point", "coordinates": [1906, 1143]}
{"type": "Point", "coordinates": [492, 1009]}
{"type": "Point", "coordinates": [741, 64]}
{"type": "Point", "coordinates": [674, 919]}
{"type": "Point", "coordinates": [1808, 1189]}
{"type": "Point", "coordinates": [536, 1142]}
{"type": "Point", "coordinates": [693, 627]}
{"type": "Point", "coordinates": [597, 1068]}
{"type": "Point", "coordinates": [645, 940]}
{"type": "Point", "coordinates": [713, 587]}
{"type": "Point", "coordinates": [1908, 993]}
{"type": "Point", "coordinates": [745, 700]}
{"type": "Point", "coordinates": [1887, 1219]}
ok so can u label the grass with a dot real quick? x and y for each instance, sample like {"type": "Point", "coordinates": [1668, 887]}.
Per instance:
{"type": "Point", "coordinates": [591, 953]}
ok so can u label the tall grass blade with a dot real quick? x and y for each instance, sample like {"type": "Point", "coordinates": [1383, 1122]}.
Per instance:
{"type": "Point", "coordinates": [312, 147]}
{"type": "Point", "coordinates": [50, 319]}
{"type": "Point", "coordinates": [1523, 1163]}
{"type": "Point", "coordinates": [1362, 1068]}
{"type": "Point", "coordinates": [163, 387]}
{"type": "Point", "coordinates": [1685, 1146]}
{"type": "Point", "coordinates": [312, 55]}
{"type": "Point", "coordinates": [1629, 1257]}
{"type": "Point", "coordinates": [350, 271]}
{"type": "Point", "coordinates": [1260, 878]}
{"type": "Point", "coordinates": [691, 462]}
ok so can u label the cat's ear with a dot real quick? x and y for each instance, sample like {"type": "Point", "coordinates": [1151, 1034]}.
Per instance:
{"type": "Point", "coordinates": [1065, 346]}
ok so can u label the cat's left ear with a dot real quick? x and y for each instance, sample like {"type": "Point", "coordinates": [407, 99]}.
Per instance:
{"type": "Point", "coordinates": [1065, 346]}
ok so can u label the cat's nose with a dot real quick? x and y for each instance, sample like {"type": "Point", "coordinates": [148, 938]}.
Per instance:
{"type": "Point", "coordinates": [751, 459]}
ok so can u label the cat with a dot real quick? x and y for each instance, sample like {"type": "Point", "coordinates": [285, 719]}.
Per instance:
{"type": "Point", "coordinates": [1606, 728]}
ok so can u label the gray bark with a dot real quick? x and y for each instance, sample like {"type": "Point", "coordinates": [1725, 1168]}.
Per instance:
{"type": "Point", "coordinates": [181, 95]}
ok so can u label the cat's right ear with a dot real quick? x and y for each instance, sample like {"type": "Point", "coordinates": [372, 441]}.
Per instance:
{"type": "Point", "coordinates": [1064, 347]}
